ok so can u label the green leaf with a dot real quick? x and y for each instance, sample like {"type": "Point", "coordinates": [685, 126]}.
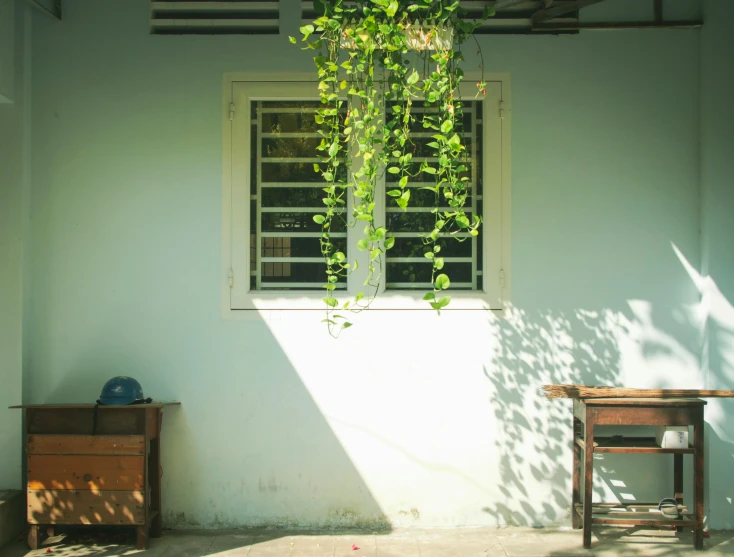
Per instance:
{"type": "Point", "coordinates": [389, 242]}
{"type": "Point", "coordinates": [394, 170]}
{"type": "Point", "coordinates": [319, 219]}
{"type": "Point", "coordinates": [380, 232]}
{"type": "Point", "coordinates": [340, 257]}
{"type": "Point", "coordinates": [447, 126]}
{"type": "Point", "coordinates": [403, 182]}
{"type": "Point", "coordinates": [331, 302]}
{"type": "Point", "coordinates": [402, 201]}
{"type": "Point", "coordinates": [391, 8]}
{"type": "Point", "coordinates": [363, 244]}
{"type": "Point", "coordinates": [441, 303]}
{"type": "Point", "coordinates": [429, 296]}
{"type": "Point", "coordinates": [394, 193]}
{"type": "Point", "coordinates": [306, 30]}
{"type": "Point", "coordinates": [438, 263]}
{"type": "Point", "coordinates": [413, 78]}
{"type": "Point", "coordinates": [292, 39]}
{"type": "Point", "coordinates": [442, 282]}
{"type": "Point", "coordinates": [333, 149]}
{"type": "Point", "coordinates": [462, 221]}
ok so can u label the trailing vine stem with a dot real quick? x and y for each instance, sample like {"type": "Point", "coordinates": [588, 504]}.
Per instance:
{"type": "Point", "coordinates": [366, 126]}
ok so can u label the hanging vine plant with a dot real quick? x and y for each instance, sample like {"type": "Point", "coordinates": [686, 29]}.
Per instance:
{"type": "Point", "coordinates": [376, 59]}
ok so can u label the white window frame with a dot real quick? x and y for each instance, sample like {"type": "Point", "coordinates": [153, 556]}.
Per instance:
{"type": "Point", "coordinates": [237, 298]}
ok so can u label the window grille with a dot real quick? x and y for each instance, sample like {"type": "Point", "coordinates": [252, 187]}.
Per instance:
{"type": "Point", "coordinates": [285, 194]}
{"type": "Point", "coordinates": [406, 266]}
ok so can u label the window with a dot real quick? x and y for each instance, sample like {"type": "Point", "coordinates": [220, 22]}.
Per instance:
{"type": "Point", "coordinates": [272, 258]}
{"type": "Point", "coordinates": [285, 194]}
{"type": "Point", "coordinates": [406, 267]}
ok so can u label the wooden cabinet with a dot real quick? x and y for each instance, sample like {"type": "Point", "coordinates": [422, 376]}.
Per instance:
{"type": "Point", "coordinates": [94, 465]}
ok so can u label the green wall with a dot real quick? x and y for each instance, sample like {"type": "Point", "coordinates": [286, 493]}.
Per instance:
{"type": "Point", "coordinates": [279, 423]}
{"type": "Point", "coordinates": [13, 128]}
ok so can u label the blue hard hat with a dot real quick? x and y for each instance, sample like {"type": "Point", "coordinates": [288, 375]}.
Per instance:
{"type": "Point", "coordinates": [120, 391]}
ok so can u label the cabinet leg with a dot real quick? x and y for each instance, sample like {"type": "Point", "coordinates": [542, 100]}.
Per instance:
{"type": "Point", "coordinates": [33, 536]}
{"type": "Point", "coordinates": [588, 479]}
{"type": "Point", "coordinates": [142, 537]}
{"type": "Point", "coordinates": [678, 481]}
{"type": "Point", "coordinates": [156, 527]}
{"type": "Point", "coordinates": [576, 491]}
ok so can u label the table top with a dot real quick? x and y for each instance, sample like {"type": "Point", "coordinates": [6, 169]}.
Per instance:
{"type": "Point", "coordinates": [157, 404]}
{"type": "Point", "coordinates": [643, 401]}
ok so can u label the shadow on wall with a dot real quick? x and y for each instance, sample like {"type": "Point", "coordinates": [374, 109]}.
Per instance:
{"type": "Point", "coordinates": [534, 432]}
{"type": "Point", "coordinates": [248, 447]}
{"type": "Point", "coordinates": [641, 346]}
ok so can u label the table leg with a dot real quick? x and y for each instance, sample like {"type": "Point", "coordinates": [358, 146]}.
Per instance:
{"type": "Point", "coordinates": [698, 472]}
{"type": "Point", "coordinates": [156, 529]}
{"type": "Point", "coordinates": [588, 477]}
{"type": "Point", "coordinates": [678, 481]}
{"type": "Point", "coordinates": [576, 490]}
{"type": "Point", "coordinates": [33, 536]}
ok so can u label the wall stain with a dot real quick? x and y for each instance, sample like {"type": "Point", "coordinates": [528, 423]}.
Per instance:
{"type": "Point", "coordinates": [412, 512]}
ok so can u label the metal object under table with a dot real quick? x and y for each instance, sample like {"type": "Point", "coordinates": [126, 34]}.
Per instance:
{"type": "Point", "coordinates": [591, 412]}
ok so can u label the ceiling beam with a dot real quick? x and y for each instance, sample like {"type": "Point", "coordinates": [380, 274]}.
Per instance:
{"type": "Point", "coordinates": [603, 25]}
{"type": "Point", "coordinates": [555, 11]}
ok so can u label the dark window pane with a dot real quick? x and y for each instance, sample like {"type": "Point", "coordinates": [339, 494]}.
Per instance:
{"type": "Point", "coordinates": [415, 247]}
{"type": "Point", "coordinates": [422, 198]}
{"type": "Point", "coordinates": [297, 222]}
{"type": "Point", "coordinates": [292, 246]}
{"type": "Point", "coordinates": [412, 222]}
{"type": "Point", "coordinates": [424, 176]}
{"type": "Point", "coordinates": [421, 273]}
{"type": "Point", "coordinates": [293, 197]}
{"type": "Point", "coordinates": [281, 172]}
{"type": "Point", "coordinates": [294, 272]}
{"type": "Point", "coordinates": [290, 147]}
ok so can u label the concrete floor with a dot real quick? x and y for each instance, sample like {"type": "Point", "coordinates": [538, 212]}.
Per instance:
{"type": "Point", "coordinates": [504, 542]}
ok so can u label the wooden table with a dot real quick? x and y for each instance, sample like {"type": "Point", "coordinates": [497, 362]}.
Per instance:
{"type": "Point", "coordinates": [591, 412]}
{"type": "Point", "coordinates": [94, 465]}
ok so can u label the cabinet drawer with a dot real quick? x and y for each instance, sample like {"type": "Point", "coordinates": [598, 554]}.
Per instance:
{"type": "Point", "coordinates": [71, 472]}
{"type": "Point", "coordinates": [85, 507]}
{"type": "Point", "coordinates": [86, 444]}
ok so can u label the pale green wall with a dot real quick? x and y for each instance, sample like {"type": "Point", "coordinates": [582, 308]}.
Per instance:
{"type": "Point", "coordinates": [281, 424]}
{"type": "Point", "coordinates": [13, 116]}
{"type": "Point", "coordinates": [717, 180]}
